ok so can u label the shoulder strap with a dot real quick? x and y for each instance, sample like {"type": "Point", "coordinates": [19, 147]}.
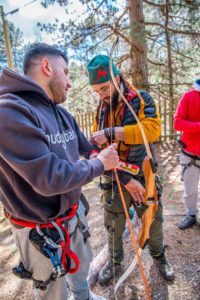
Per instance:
{"type": "Point", "coordinates": [85, 203]}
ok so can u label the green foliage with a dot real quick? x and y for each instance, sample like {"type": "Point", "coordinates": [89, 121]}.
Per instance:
{"type": "Point", "coordinates": [163, 180]}
{"type": "Point", "coordinates": [93, 30]}
{"type": "Point", "coordinates": [81, 98]}
{"type": "Point", "coordinates": [46, 3]}
{"type": "Point", "coordinates": [16, 43]}
{"type": "Point", "coordinates": [84, 33]}
{"type": "Point", "coordinates": [92, 26]}
{"type": "Point", "coordinates": [183, 30]}
{"type": "Point", "coordinates": [15, 251]}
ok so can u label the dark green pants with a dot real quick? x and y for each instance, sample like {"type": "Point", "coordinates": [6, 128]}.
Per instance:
{"type": "Point", "coordinates": [115, 219]}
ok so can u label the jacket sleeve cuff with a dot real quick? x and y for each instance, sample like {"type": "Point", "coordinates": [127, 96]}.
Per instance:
{"type": "Point", "coordinates": [98, 166]}
{"type": "Point", "coordinates": [124, 178]}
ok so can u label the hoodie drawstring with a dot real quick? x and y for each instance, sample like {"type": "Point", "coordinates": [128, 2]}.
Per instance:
{"type": "Point", "coordinates": [59, 116]}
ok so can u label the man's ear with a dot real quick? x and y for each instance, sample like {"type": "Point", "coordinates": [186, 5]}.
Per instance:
{"type": "Point", "coordinates": [46, 67]}
{"type": "Point", "coordinates": [118, 79]}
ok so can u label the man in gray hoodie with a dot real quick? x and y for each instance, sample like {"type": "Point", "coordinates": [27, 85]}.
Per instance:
{"type": "Point", "coordinates": [42, 175]}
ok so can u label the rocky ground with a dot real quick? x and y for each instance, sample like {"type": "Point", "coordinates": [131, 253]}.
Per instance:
{"type": "Point", "coordinates": [182, 247]}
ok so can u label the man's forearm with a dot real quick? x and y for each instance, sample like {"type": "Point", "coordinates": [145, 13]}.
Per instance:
{"type": "Point", "coordinates": [119, 133]}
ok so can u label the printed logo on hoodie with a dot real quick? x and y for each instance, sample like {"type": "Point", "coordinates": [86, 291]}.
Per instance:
{"type": "Point", "coordinates": [58, 138]}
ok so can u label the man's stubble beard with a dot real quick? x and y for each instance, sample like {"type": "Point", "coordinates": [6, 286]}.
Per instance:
{"type": "Point", "coordinates": [114, 101]}
{"type": "Point", "coordinates": [55, 88]}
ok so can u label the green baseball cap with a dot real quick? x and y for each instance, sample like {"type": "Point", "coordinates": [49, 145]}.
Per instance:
{"type": "Point", "coordinates": [98, 69]}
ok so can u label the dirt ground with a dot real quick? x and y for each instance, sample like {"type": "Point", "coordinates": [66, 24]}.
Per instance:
{"type": "Point", "coordinates": [182, 247]}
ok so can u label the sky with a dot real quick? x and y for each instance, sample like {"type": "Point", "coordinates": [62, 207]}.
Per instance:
{"type": "Point", "coordinates": [27, 17]}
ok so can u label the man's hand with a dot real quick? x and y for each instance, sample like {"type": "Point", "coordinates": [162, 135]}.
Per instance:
{"type": "Point", "coordinates": [109, 157]}
{"type": "Point", "coordinates": [136, 190]}
{"type": "Point", "coordinates": [98, 138]}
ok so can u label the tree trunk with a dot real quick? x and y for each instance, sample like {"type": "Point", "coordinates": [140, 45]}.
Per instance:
{"type": "Point", "coordinates": [138, 49]}
{"type": "Point", "coordinates": [170, 70]}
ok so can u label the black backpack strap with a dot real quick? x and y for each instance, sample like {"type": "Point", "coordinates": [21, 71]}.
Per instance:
{"type": "Point", "coordinates": [85, 203]}
{"type": "Point", "coordinates": [83, 228]}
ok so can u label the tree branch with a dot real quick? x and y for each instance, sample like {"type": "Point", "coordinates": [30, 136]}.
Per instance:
{"type": "Point", "coordinates": [148, 37]}
{"type": "Point", "coordinates": [117, 32]}
{"type": "Point", "coordinates": [172, 30]}
{"type": "Point", "coordinates": [163, 5]}
{"type": "Point", "coordinates": [155, 63]}
{"type": "Point", "coordinates": [153, 4]}
{"type": "Point", "coordinates": [120, 17]}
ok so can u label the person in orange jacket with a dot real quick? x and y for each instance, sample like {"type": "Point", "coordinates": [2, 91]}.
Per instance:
{"type": "Point", "coordinates": [115, 122]}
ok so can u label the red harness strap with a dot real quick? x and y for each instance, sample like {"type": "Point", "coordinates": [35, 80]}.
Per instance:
{"type": "Point", "coordinates": [63, 244]}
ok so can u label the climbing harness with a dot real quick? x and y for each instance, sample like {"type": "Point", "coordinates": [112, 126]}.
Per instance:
{"type": "Point", "coordinates": [48, 239]}
{"type": "Point", "coordinates": [193, 162]}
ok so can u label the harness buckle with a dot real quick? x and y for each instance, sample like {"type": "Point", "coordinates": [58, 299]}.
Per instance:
{"type": "Point", "coordinates": [82, 227]}
{"type": "Point", "coordinates": [109, 202]}
{"type": "Point", "coordinates": [105, 186]}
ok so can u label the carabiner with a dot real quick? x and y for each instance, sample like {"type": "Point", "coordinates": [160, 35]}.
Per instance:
{"type": "Point", "coordinates": [47, 239]}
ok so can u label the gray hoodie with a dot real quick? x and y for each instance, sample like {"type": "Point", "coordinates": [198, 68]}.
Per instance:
{"type": "Point", "coordinates": [40, 143]}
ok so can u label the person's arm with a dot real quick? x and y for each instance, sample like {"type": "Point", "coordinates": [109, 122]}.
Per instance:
{"type": "Point", "coordinates": [133, 186]}
{"type": "Point", "coordinates": [25, 148]}
{"type": "Point", "coordinates": [181, 118]}
{"type": "Point", "coordinates": [150, 121]}
{"type": "Point", "coordinates": [131, 134]}
{"type": "Point", "coordinates": [103, 136]}
{"type": "Point", "coordinates": [85, 146]}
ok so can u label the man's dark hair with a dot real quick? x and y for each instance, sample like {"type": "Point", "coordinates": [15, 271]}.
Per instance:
{"type": "Point", "coordinates": [37, 50]}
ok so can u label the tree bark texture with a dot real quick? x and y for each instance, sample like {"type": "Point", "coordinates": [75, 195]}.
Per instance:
{"type": "Point", "coordinates": [170, 69]}
{"type": "Point", "coordinates": [138, 51]}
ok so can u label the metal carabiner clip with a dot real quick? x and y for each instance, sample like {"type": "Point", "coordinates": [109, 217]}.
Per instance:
{"type": "Point", "coordinates": [48, 239]}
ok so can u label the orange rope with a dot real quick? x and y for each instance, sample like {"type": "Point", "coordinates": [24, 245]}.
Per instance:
{"type": "Point", "coordinates": [116, 175]}
{"type": "Point", "coordinates": [131, 232]}
{"type": "Point", "coordinates": [132, 235]}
